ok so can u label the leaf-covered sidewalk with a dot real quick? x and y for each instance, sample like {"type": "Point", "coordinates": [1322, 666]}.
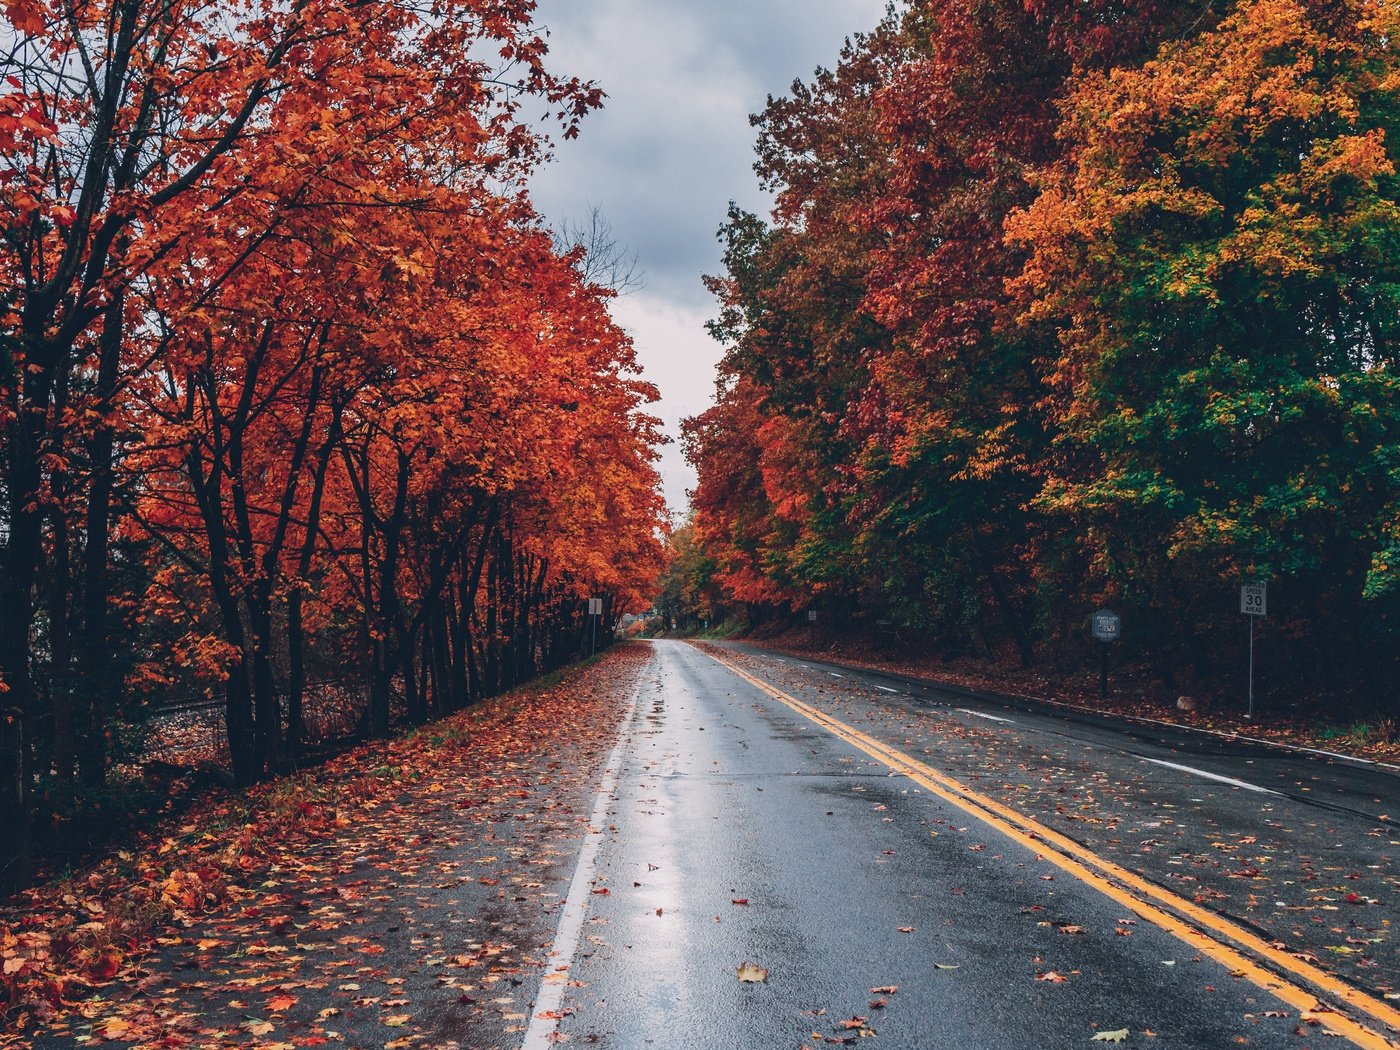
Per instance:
{"type": "Point", "coordinates": [401, 895]}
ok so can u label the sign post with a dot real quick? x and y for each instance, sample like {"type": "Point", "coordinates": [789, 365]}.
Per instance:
{"type": "Point", "coordinates": [812, 626]}
{"type": "Point", "coordinates": [595, 610]}
{"type": "Point", "coordinates": [1107, 628]}
{"type": "Point", "coordinates": [1254, 603]}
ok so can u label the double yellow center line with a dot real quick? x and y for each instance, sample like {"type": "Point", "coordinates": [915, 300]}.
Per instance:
{"type": "Point", "coordinates": [1244, 953]}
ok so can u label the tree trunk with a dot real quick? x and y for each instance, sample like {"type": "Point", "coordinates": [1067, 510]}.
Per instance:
{"type": "Point", "coordinates": [62, 708]}
{"type": "Point", "coordinates": [93, 677]}
{"type": "Point", "coordinates": [26, 433]}
{"type": "Point", "coordinates": [1010, 615]}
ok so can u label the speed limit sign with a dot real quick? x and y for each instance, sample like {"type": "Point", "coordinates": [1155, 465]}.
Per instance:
{"type": "Point", "coordinates": [1254, 599]}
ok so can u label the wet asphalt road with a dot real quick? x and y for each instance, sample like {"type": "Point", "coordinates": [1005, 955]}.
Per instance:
{"type": "Point", "coordinates": [741, 831]}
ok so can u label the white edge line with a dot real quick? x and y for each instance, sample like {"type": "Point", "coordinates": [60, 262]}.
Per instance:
{"type": "Point", "coordinates": [989, 718]}
{"type": "Point", "coordinates": [931, 684]}
{"type": "Point", "coordinates": [835, 675]}
{"type": "Point", "coordinates": [886, 689]}
{"type": "Point", "coordinates": [551, 995]}
{"type": "Point", "coordinates": [1229, 735]}
{"type": "Point", "coordinates": [1213, 776]}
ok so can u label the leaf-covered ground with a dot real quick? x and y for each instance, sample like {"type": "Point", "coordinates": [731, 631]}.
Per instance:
{"type": "Point", "coordinates": [1130, 695]}
{"type": "Point", "coordinates": [404, 894]}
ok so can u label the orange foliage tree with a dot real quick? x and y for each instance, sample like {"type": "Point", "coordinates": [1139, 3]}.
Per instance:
{"type": "Point", "coordinates": [1066, 303]}
{"type": "Point", "coordinates": [281, 329]}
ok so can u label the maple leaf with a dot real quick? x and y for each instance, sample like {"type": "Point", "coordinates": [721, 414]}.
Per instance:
{"type": "Point", "coordinates": [112, 1028]}
{"type": "Point", "coordinates": [751, 972]}
{"type": "Point", "coordinates": [1110, 1037]}
{"type": "Point", "coordinates": [106, 965]}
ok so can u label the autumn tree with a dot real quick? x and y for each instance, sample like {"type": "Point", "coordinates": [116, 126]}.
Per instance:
{"type": "Point", "coordinates": [901, 438]}
{"type": "Point", "coordinates": [1216, 255]}
{"type": "Point", "coordinates": [154, 157]}
{"type": "Point", "coordinates": [1063, 303]}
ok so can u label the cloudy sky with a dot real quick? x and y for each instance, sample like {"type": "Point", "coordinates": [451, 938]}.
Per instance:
{"type": "Point", "coordinates": [671, 148]}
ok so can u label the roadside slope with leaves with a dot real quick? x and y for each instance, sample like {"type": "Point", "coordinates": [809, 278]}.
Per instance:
{"type": "Point", "coordinates": [215, 929]}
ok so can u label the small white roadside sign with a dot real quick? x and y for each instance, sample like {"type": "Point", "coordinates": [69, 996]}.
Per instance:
{"type": "Point", "coordinates": [1254, 599]}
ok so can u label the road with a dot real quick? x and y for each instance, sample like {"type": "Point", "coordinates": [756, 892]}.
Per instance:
{"type": "Point", "coordinates": [899, 864]}
{"type": "Point", "coordinates": [933, 869]}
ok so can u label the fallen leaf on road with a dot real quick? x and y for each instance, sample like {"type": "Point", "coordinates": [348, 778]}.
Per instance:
{"type": "Point", "coordinates": [1110, 1037]}
{"type": "Point", "coordinates": [740, 900]}
{"type": "Point", "coordinates": [905, 929]}
{"type": "Point", "coordinates": [751, 972]}
{"type": "Point", "coordinates": [946, 966]}
{"type": "Point", "coordinates": [397, 1020]}
{"type": "Point", "coordinates": [112, 1028]}
{"type": "Point", "coordinates": [890, 989]}
{"type": "Point", "coordinates": [1052, 977]}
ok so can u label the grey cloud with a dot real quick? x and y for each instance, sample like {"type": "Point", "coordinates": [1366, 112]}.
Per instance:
{"type": "Point", "coordinates": [673, 146]}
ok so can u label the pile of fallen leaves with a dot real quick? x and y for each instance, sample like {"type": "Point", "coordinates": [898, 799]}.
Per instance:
{"type": "Point", "coordinates": [62, 940]}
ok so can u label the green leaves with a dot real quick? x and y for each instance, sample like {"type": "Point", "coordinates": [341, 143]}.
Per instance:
{"type": "Point", "coordinates": [1125, 327]}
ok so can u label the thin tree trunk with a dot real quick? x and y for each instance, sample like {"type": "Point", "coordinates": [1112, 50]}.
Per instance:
{"type": "Point", "coordinates": [27, 431]}
{"type": "Point", "coordinates": [93, 678]}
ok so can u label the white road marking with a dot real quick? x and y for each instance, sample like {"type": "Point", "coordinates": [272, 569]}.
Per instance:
{"type": "Point", "coordinates": [886, 689]}
{"type": "Point", "coordinates": [544, 1018]}
{"type": "Point", "coordinates": [1213, 776]}
{"type": "Point", "coordinates": [835, 675]}
{"type": "Point", "coordinates": [989, 718]}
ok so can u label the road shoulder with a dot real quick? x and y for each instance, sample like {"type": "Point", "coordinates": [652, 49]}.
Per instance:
{"type": "Point", "coordinates": [404, 894]}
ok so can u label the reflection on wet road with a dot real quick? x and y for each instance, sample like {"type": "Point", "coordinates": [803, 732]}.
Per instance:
{"type": "Point", "coordinates": [739, 830]}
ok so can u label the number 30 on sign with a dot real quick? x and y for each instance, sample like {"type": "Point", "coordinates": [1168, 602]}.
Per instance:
{"type": "Point", "coordinates": [1254, 599]}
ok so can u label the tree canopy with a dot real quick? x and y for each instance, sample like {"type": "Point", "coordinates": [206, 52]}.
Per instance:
{"type": "Point", "coordinates": [1067, 303]}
